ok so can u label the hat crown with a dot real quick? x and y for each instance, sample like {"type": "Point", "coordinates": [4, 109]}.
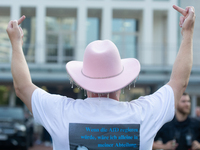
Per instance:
{"type": "Point", "coordinates": [101, 60]}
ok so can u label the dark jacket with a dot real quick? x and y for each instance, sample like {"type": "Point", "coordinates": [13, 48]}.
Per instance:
{"type": "Point", "coordinates": [183, 132]}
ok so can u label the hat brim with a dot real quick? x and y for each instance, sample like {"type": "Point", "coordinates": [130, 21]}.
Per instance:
{"type": "Point", "coordinates": [131, 69]}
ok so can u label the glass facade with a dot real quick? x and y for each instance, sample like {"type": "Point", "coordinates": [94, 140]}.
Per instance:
{"type": "Point", "coordinates": [140, 28]}
{"type": "Point", "coordinates": [125, 36]}
{"type": "Point", "coordinates": [4, 40]}
{"type": "Point", "coordinates": [60, 39]}
{"type": "Point", "coordinates": [93, 24]}
{"type": "Point", "coordinates": [28, 26]}
{"type": "Point", "coordinates": [92, 29]}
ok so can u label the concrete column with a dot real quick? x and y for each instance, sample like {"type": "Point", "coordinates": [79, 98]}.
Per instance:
{"type": "Point", "coordinates": [12, 98]}
{"type": "Point", "coordinates": [14, 15]}
{"type": "Point", "coordinates": [40, 50]}
{"type": "Point", "coordinates": [193, 106]}
{"type": "Point", "coordinates": [106, 32]}
{"type": "Point", "coordinates": [15, 12]}
{"type": "Point", "coordinates": [172, 36]}
{"type": "Point", "coordinates": [81, 30]}
{"type": "Point", "coordinates": [147, 44]}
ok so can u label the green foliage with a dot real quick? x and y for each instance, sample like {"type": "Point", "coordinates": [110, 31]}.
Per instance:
{"type": "Point", "coordinates": [4, 95]}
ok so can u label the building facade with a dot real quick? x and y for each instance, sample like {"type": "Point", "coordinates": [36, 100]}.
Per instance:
{"type": "Point", "coordinates": [194, 85]}
{"type": "Point", "coordinates": [57, 31]}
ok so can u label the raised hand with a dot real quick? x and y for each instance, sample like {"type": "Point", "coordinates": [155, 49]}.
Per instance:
{"type": "Point", "coordinates": [195, 145]}
{"type": "Point", "coordinates": [15, 32]}
{"type": "Point", "coordinates": [188, 18]}
{"type": "Point", "coordinates": [170, 145]}
{"type": "Point", "coordinates": [21, 19]}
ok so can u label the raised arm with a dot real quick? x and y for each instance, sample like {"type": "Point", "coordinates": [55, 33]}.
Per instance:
{"type": "Point", "coordinates": [21, 76]}
{"type": "Point", "coordinates": [183, 63]}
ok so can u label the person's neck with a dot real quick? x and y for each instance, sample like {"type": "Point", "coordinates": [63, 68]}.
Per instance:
{"type": "Point", "coordinates": [113, 95]}
{"type": "Point", "coordinates": [181, 117]}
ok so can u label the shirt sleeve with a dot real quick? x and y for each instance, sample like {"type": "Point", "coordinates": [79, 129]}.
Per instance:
{"type": "Point", "coordinates": [47, 108]}
{"type": "Point", "coordinates": [156, 109]}
{"type": "Point", "coordinates": [158, 135]}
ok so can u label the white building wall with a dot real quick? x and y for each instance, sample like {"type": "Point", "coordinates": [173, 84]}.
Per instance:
{"type": "Point", "coordinates": [147, 42]}
{"type": "Point", "coordinates": [153, 29]}
{"type": "Point", "coordinates": [196, 39]}
{"type": "Point", "coordinates": [106, 21]}
{"type": "Point", "coordinates": [147, 22]}
{"type": "Point", "coordinates": [159, 42]}
{"type": "Point", "coordinates": [172, 36]}
{"type": "Point", "coordinates": [193, 87]}
{"type": "Point", "coordinates": [40, 34]}
{"type": "Point", "coordinates": [81, 30]}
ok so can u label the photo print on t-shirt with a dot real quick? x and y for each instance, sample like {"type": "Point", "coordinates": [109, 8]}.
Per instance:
{"type": "Point", "coordinates": [104, 136]}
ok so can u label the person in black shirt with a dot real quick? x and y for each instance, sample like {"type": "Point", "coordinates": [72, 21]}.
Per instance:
{"type": "Point", "coordinates": [182, 133]}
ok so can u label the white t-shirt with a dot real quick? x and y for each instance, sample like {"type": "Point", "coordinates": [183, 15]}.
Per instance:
{"type": "Point", "coordinates": [103, 122]}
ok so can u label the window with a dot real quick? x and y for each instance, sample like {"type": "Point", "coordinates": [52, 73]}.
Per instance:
{"type": "Point", "coordinates": [125, 36]}
{"type": "Point", "coordinates": [92, 29]}
{"type": "Point", "coordinates": [60, 35]}
{"type": "Point", "coordinates": [28, 26]}
{"type": "Point", "coordinates": [4, 39]}
{"type": "Point", "coordinates": [93, 25]}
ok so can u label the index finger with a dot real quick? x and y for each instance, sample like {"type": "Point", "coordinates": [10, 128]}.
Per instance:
{"type": "Point", "coordinates": [21, 20]}
{"type": "Point", "coordinates": [181, 10]}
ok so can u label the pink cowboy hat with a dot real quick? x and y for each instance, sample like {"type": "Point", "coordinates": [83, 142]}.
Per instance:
{"type": "Point", "coordinates": [102, 69]}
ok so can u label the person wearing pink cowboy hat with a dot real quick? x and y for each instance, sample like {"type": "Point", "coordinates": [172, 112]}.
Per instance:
{"type": "Point", "coordinates": [101, 122]}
